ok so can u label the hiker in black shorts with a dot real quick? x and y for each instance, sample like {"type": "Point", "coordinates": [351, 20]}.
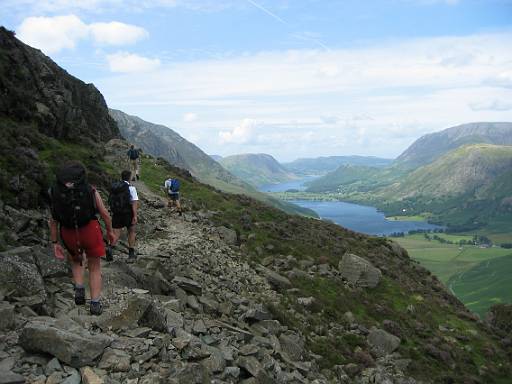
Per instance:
{"type": "Point", "coordinates": [133, 158]}
{"type": "Point", "coordinates": [172, 187]}
{"type": "Point", "coordinates": [123, 202]}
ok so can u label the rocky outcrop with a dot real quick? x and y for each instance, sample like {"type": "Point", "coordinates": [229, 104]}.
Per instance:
{"type": "Point", "coordinates": [359, 271]}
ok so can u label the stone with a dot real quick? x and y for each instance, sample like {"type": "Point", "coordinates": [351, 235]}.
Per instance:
{"type": "Point", "coordinates": [250, 364]}
{"type": "Point", "coordinates": [89, 376]}
{"type": "Point", "coordinates": [293, 345]}
{"type": "Point", "coordinates": [276, 280]}
{"type": "Point", "coordinates": [54, 378]}
{"type": "Point", "coordinates": [188, 285]}
{"type": "Point", "coordinates": [258, 313]}
{"type": "Point", "coordinates": [63, 339]}
{"type": "Point", "coordinates": [233, 372]}
{"type": "Point", "coordinates": [20, 275]}
{"type": "Point", "coordinates": [11, 378]}
{"type": "Point", "coordinates": [48, 265]}
{"type": "Point", "coordinates": [306, 301]}
{"type": "Point", "coordinates": [6, 316]}
{"type": "Point", "coordinates": [115, 360]}
{"type": "Point", "coordinates": [74, 378]}
{"type": "Point", "coordinates": [382, 342]}
{"type": "Point", "coordinates": [359, 271]}
{"type": "Point", "coordinates": [199, 327]}
{"type": "Point", "coordinates": [215, 363]}
{"type": "Point", "coordinates": [228, 235]}
{"type": "Point", "coordinates": [123, 315]}
{"type": "Point", "coordinates": [52, 366]}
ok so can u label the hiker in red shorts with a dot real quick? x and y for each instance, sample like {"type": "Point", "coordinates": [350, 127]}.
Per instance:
{"type": "Point", "coordinates": [74, 207]}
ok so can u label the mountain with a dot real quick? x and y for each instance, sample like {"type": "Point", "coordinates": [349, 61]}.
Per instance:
{"type": "Point", "coordinates": [216, 157]}
{"type": "Point", "coordinates": [233, 291]}
{"type": "Point", "coordinates": [161, 141]}
{"type": "Point", "coordinates": [430, 147]}
{"type": "Point", "coordinates": [257, 169]}
{"type": "Point", "coordinates": [46, 117]}
{"type": "Point", "coordinates": [322, 165]}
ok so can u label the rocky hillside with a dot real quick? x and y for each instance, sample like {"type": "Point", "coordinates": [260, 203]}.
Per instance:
{"type": "Point", "coordinates": [323, 165]}
{"type": "Point", "coordinates": [234, 291]}
{"type": "Point", "coordinates": [257, 169]}
{"type": "Point", "coordinates": [41, 107]}
{"type": "Point", "coordinates": [432, 146]}
{"type": "Point", "coordinates": [161, 141]}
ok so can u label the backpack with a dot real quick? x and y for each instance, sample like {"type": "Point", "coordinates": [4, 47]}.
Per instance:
{"type": "Point", "coordinates": [119, 200]}
{"type": "Point", "coordinates": [133, 154]}
{"type": "Point", "coordinates": [72, 198]}
{"type": "Point", "coordinates": [174, 187]}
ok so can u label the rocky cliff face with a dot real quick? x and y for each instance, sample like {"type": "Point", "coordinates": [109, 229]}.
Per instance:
{"type": "Point", "coordinates": [42, 106]}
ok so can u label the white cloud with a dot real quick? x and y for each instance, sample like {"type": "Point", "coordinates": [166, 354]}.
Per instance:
{"type": "Point", "coordinates": [189, 117]}
{"type": "Point", "coordinates": [125, 62]}
{"type": "Point", "coordinates": [377, 99]}
{"type": "Point", "coordinates": [116, 33]}
{"type": "Point", "coordinates": [241, 134]}
{"type": "Point", "coordinates": [53, 34]}
{"type": "Point", "coordinates": [492, 105]}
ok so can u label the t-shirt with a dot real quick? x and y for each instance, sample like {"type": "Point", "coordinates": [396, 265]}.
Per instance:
{"type": "Point", "coordinates": [133, 154]}
{"type": "Point", "coordinates": [133, 192]}
{"type": "Point", "coordinates": [167, 186]}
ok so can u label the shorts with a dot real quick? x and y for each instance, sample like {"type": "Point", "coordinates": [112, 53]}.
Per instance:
{"type": "Point", "coordinates": [89, 240]}
{"type": "Point", "coordinates": [174, 196]}
{"type": "Point", "coordinates": [121, 220]}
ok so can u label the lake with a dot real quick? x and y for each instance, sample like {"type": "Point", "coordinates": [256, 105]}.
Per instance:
{"type": "Point", "coordinates": [356, 217]}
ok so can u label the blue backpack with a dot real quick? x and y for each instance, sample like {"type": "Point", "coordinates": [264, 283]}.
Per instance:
{"type": "Point", "coordinates": [175, 186]}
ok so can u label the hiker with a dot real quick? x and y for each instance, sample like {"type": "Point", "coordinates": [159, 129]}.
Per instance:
{"type": "Point", "coordinates": [133, 158]}
{"type": "Point", "coordinates": [172, 186]}
{"type": "Point", "coordinates": [123, 201]}
{"type": "Point", "coordinates": [74, 208]}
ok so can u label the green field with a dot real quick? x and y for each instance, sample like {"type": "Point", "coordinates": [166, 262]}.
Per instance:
{"type": "Point", "coordinates": [477, 276]}
{"type": "Point", "coordinates": [406, 218]}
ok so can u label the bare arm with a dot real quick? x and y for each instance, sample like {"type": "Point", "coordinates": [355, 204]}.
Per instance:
{"type": "Point", "coordinates": [103, 212]}
{"type": "Point", "coordinates": [135, 206]}
{"type": "Point", "coordinates": [58, 252]}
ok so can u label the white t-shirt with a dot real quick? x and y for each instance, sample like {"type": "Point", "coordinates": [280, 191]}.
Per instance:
{"type": "Point", "coordinates": [133, 192]}
{"type": "Point", "coordinates": [167, 186]}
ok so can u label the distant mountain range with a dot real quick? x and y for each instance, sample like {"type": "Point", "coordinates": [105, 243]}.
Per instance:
{"type": "Point", "coordinates": [161, 141]}
{"type": "Point", "coordinates": [458, 183]}
{"type": "Point", "coordinates": [323, 165]}
{"type": "Point", "coordinates": [432, 146]}
{"type": "Point", "coordinates": [257, 169]}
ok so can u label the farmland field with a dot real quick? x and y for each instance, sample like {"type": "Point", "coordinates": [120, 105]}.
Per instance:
{"type": "Point", "coordinates": [477, 276]}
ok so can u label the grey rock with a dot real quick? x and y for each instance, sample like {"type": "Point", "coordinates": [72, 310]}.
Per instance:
{"type": "Point", "coordinates": [126, 314]}
{"type": "Point", "coordinates": [216, 362]}
{"type": "Point", "coordinates": [293, 345]}
{"type": "Point", "coordinates": [74, 378]}
{"type": "Point", "coordinates": [63, 339]}
{"type": "Point", "coordinates": [48, 265]}
{"type": "Point", "coordinates": [276, 280]}
{"type": "Point", "coordinates": [257, 313]}
{"type": "Point", "coordinates": [11, 378]}
{"type": "Point", "coordinates": [359, 271]}
{"type": "Point", "coordinates": [228, 235]}
{"type": "Point", "coordinates": [382, 342]}
{"type": "Point", "coordinates": [7, 320]}
{"type": "Point", "coordinates": [115, 360]}
{"type": "Point", "coordinates": [250, 364]}
{"type": "Point", "coordinates": [188, 285]}
{"type": "Point", "coordinates": [52, 366]}
{"type": "Point", "coordinates": [20, 275]}
{"type": "Point", "coordinates": [306, 301]}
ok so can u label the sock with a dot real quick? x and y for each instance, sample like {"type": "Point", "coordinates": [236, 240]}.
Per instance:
{"type": "Point", "coordinates": [96, 300]}
{"type": "Point", "coordinates": [79, 286]}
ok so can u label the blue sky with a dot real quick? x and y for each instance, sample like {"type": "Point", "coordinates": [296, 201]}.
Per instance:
{"type": "Point", "coordinates": [298, 78]}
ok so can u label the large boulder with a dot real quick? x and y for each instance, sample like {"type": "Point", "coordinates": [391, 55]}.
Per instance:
{"type": "Point", "coordinates": [19, 275]}
{"type": "Point", "coordinates": [382, 342]}
{"type": "Point", "coordinates": [7, 320]}
{"type": "Point", "coordinates": [126, 314]}
{"type": "Point", "coordinates": [64, 339]}
{"type": "Point", "coordinates": [359, 271]}
{"type": "Point", "coordinates": [277, 281]}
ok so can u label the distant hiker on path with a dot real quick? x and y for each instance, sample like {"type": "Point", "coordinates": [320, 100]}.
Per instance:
{"type": "Point", "coordinates": [172, 186]}
{"type": "Point", "coordinates": [123, 201]}
{"type": "Point", "coordinates": [74, 206]}
{"type": "Point", "coordinates": [133, 158]}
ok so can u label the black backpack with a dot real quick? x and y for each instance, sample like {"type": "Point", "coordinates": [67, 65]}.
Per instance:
{"type": "Point", "coordinates": [120, 199]}
{"type": "Point", "coordinates": [133, 154]}
{"type": "Point", "coordinates": [72, 198]}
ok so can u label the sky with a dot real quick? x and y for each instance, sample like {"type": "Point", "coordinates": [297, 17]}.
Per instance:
{"type": "Point", "coordinates": [291, 78]}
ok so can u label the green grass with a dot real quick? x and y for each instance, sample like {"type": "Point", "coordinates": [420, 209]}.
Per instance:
{"type": "Point", "coordinates": [485, 284]}
{"type": "Point", "coordinates": [407, 218]}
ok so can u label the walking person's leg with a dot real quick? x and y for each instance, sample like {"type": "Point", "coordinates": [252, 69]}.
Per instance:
{"type": "Point", "coordinates": [78, 269]}
{"type": "Point", "coordinates": [94, 266]}
{"type": "Point", "coordinates": [131, 243]}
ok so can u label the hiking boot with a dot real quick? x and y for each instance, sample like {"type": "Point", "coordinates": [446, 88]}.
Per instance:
{"type": "Point", "coordinates": [109, 256]}
{"type": "Point", "coordinates": [132, 257]}
{"type": "Point", "coordinates": [96, 308]}
{"type": "Point", "coordinates": [79, 296]}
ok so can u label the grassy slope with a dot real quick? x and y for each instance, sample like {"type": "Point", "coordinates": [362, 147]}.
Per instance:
{"type": "Point", "coordinates": [315, 240]}
{"type": "Point", "coordinates": [449, 263]}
